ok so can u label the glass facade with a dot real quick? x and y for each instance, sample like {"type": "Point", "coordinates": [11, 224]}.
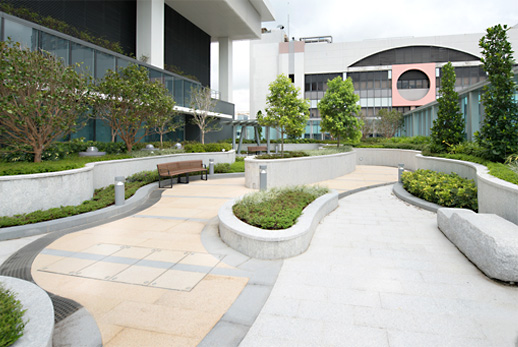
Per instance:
{"type": "Point", "coordinates": [96, 62]}
{"type": "Point", "coordinates": [374, 89]}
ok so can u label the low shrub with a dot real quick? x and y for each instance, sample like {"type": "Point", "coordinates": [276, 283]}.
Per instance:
{"type": "Point", "coordinates": [208, 147]}
{"type": "Point", "coordinates": [276, 208]}
{"type": "Point", "coordinates": [287, 154]}
{"type": "Point", "coordinates": [102, 198]}
{"type": "Point", "coordinates": [448, 190]}
{"type": "Point", "coordinates": [506, 172]}
{"type": "Point", "coordinates": [11, 317]}
{"type": "Point", "coordinates": [237, 166]}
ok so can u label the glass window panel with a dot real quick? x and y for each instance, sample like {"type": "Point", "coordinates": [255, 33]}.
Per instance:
{"type": "Point", "coordinates": [26, 36]}
{"type": "Point", "coordinates": [103, 63]}
{"type": "Point", "coordinates": [55, 45]}
{"type": "Point", "coordinates": [84, 56]}
{"type": "Point", "coordinates": [179, 92]}
{"type": "Point", "coordinates": [122, 63]}
{"type": "Point", "coordinates": [155, 75]}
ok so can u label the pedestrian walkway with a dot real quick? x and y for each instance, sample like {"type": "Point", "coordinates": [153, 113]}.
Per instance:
{"type": "Point", "coordinates": [380, 273]}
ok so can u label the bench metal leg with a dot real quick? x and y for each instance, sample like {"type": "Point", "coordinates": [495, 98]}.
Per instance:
{"type": "Point", "coordinates": [186, 179]}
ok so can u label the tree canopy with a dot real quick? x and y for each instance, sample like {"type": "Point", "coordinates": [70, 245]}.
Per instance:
{"type": "Point", "coordinates": [448, 128]}
{"type": "Point", "coordinates": [390, 121]}
{"type": "Point", "coordinates": [499, 130]}
{"type": "Point", "coordinates": [130, 103]}
{"type": "Point", "coordinates": [41, 99]}
{"type": "Point", "coordinates": [285, 111]}
{"type": "Point", "coordinates": [203, 105]}
{"type": "Point", "coordinates": [339, 110]}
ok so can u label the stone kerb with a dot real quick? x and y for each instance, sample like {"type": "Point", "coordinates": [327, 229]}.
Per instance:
{"type": "Point", "coordinates": [39, 329]}
{"type": "Point", "coordinates": [274, 244]}
{"type": "Point", "coordinates": [296, 171]}
{"type": "Point", "coordinates": [487, 240]}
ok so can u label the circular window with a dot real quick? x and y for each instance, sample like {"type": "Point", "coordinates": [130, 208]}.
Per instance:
{"type": "Point", "coordinates": [413, 85]}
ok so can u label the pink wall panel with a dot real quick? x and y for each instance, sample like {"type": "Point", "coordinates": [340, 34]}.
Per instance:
{"type": "Point", "coordinates": [398, 70]}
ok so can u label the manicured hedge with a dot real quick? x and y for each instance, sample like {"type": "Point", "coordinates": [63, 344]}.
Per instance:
{"type": "Point", "coordinates": [11, 317]}
{"type": "Point", "coordinates": [448, 190]}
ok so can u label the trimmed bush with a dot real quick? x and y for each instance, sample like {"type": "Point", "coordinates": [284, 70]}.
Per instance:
{"type": "Point", "coordinates": [287, 154]}
{"type": "Point", "coordinates": [276, 208]}
{"type": "Point", "coordinates": [11, 317]}
{"type": "Point", "coordinates": [208, 147]}
{"type": "Point", "coordinates": [442, 189]}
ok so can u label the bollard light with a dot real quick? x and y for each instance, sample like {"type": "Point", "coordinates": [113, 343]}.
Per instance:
{"type": "Point", "coordinates": [262, 177]}
{"type": "Point", "coordinates": [400, 169]}
{"type": "Point", "coordinates": [211, 167]}
{"type": "Point", "coordinates": [119, 190]}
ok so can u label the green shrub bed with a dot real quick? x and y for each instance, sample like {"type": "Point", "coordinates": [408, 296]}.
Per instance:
{"type": "Point", "coordinates": [102, 198]}
{"type": "Point", "coordinates": [448, 190]}
{"type": "Point", "coordinates": [276, 208]}
{"type": "Point", "coordinates": [11, 318]}
{"type": "Point", "coordinates": [237, 166]}
{"type": "Point", "coordinates": [208, 147]}
{"type": "Point", "coordinates": [287, 154]}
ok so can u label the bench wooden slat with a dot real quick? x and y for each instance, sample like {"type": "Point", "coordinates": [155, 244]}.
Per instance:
{"type": "Point", "coordinates": [179, 168]}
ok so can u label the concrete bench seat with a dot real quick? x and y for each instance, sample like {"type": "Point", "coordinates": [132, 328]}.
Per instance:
{"type": "Point", "coordinates": [487, 240]}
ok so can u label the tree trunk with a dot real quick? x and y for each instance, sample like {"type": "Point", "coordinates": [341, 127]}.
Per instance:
{"type": "Point", "coordinates": [114, 135]}
{"type": "Point", "coordinates": [338, 141]}
{"type": "Point", "coordinates": [202, 137]}
{"type": "Point", "coordinates": [37, 154]}
{"type": "Point", "coordinates": [161, 142]}
{"type": "Point", "coordinates": [282, 144]}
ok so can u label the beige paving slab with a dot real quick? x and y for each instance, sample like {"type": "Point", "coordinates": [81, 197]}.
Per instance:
{"type": "Point", "coordinates": [103, 249]}
{"type": "Point", "coordinates": [201, 259]}
{"type": "Point", "coordinates": [140, 275]}
{"type": "Point", "coordinates": [68, 266]}
{"type": "Point", "coordinates": [133, 252]}
{"type": "Point", "coordinates": [167, 255]}
{"type": "Point", "coordinates": [178, 280]}
{"type": "Point", "coordinates": [137, 338]}
{"type": "Point", "coordinates": [102, 270]}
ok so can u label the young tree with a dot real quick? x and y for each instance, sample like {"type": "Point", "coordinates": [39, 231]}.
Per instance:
{"type": "Point", "coordinates": [339, 110]}
{"type": "Point", "coordinates": [499, 131]}
{"type": "Point", "coordinates": [41, 99]}
{"type": "Point", "coordinates": [129, 102]}
{"type": "Point", "coordinates": [448, 128]}
{"type": "Point", "coordinates": [164, 124]}
{"type": "Point", "coordinates": [203, 104]}
{"type": "Point", "coordinates": [285, 111]}
{"type": "Point", "coordinates": [368, 125]}
{"type": "Point", "coordinates": [389, 122]}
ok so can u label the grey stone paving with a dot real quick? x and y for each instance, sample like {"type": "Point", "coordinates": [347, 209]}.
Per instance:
{"type": "Point", "coordinates": [380, 273]}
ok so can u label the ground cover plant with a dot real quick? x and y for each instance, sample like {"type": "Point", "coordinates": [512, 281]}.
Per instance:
{"type": "Point", "coordinates": [448, 190]}
{"type": "Point", "coordinates": [11, 318]}
{"type": "Point", "coordinates": [237, 166]}
{"type": "Point", "coordinates": [276, 208]}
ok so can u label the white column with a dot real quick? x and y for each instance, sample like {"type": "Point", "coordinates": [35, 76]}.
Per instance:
{"type": "Point", "coordinates": [225, 68]}
{"type": "Point", "coordinates": [150, 31]}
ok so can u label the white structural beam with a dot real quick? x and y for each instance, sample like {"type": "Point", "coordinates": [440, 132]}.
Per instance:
{"type": "Point", "coordinates": [225, 68]}
{"type": "Point", "coordinates": [150, 31]}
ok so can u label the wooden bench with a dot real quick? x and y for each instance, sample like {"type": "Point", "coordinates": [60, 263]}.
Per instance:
{"type": "Point", "coordinates": [168, 170]}
{"type": "Point", "coordinates": [257, 149]}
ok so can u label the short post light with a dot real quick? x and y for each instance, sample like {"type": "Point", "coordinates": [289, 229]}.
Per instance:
{"type": "Point", "coordinates": [262, 177]}
{"type": "Point", "coordinates": [119, 190]}
{"type": "Point", "coordinates": [211, 167]}
{"type": "Point", "coordinates": [400, 169]}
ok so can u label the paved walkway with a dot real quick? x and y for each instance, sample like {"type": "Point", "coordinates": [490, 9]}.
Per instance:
{"type": "Point", "coordinates": [378, 273]}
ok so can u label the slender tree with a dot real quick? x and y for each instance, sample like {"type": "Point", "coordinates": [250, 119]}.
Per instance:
{"type": "Point", "coordinates": [41, 99]}
{"type": "Point", "coordinates": [203, 105]}
{"type": "Point", "coordinates": [339, 110]}
{"type": "Point", "coordinates": [499, 131]}
{"type": "Point", "coordinates": [390, 121]}
{"type": "Point", "coordinates": [285, 111]}
{"type": "Point", "coordinates": [129, 102]}
{"type": "Point", "coordinates": [164, 124]}
{"type": "Point", "coordinates": [448, 128]}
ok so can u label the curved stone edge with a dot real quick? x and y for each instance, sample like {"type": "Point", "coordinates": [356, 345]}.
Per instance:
{"type": "Point", "coordinates": [140, 196]}
{"type": "Point", "coordinates": [402, 194]}
{"type": "Point", "coordinates": [487, 240]}
{"type": "Point", "coordinates": [274, 244]}
{"type": "Point", "coordinates": [40, 312]}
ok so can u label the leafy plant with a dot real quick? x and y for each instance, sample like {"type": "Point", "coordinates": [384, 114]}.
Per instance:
{"type": "Point", "coordinates": [11, 317]}
{"type": "Point", "coordinates": [339, 109]}
{"type": "Point", "coordinates": [448, 128]}
{"type": "Point", "coordinates": [276, 208]}
{"type": "Point", "coordinates": [500, 125]}
{"type": "Point", "coordinates": [292, 154]}
{"type": "Point", "coordinates": [448, 190]}
{"type": "Point", "coordinates": [203, 105]}
{"type": "Point", "coordinates": [390, 122]}
{"type": "Point", "coordinates": [285, 111]}
{"type": "Point", "coordinates": [40, 98]}
{"type": "Point", "coordinates": [197, 147]}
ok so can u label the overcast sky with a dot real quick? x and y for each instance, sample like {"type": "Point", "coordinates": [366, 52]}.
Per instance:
{"type": "Point", "coordinates": [347, 20]}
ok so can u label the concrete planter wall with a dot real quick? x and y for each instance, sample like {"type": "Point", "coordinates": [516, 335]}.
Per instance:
{"type": "Point", "coordinates": [28, 193]}
{"type": "Point", "coordinates": [494, 195]}
{"type": "Point", "coordinates": [274, 244]}
{"type": "Point", "coordinates": [39, 330]}
{"type": "Point", "coordinates": [296, 171]}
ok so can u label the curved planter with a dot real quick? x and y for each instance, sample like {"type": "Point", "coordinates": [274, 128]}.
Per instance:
{"type": "Point", "coordinates": [29, 193]}
{"type": "Point", "coordinates": [39, 330]}
{"type": "Point", "coordinates": [295, 171]}
{"type": "Point", "coordinates": [274, 244]}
